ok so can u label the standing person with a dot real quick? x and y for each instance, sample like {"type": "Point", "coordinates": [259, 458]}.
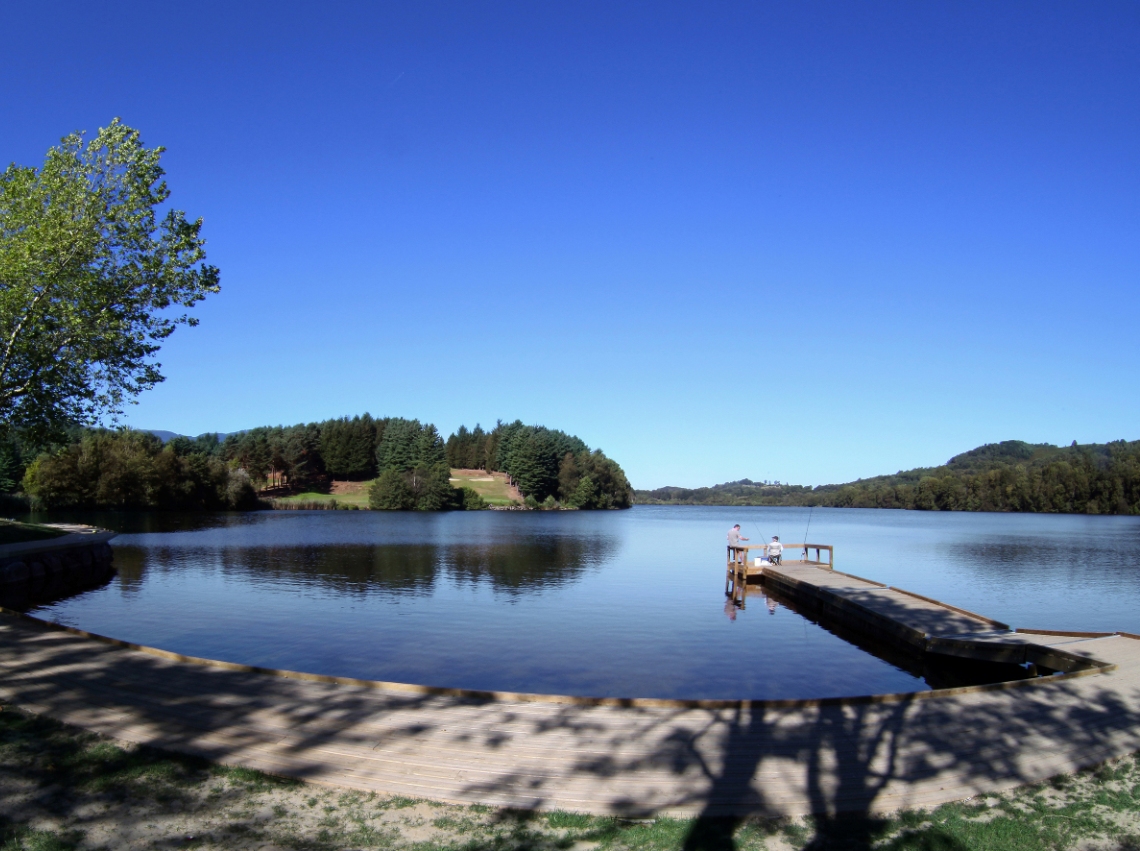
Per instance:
{"type": "Point", "coordinates": [775, 550]}
{"type": "Point", "coordinates": [734, 539]}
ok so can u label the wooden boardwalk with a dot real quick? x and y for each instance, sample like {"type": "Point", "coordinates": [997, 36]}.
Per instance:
{"type": "Point", "coordinates": [636, 757]}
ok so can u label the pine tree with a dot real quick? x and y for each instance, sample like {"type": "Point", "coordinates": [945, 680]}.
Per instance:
{"type": "Point", "coordinates": [398, 445]}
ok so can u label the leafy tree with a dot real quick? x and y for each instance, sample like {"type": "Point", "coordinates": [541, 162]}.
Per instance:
{"type": "Point", "coordinates": [11, 470]}
{"type": "Point", "coordinates": [431, 488]}
{"type": "Point", "coordinates": [568, 477]}
{"type": "Point", "coordinates": [471, 500]}
{"type": "Point", "coordinates": [88, 278]}
{"type": "Point", "coordinates": [131, 469]}
{"type": "Point", "coordinates": [584, 495]}
{"type": "Point", "coordinates": [390, 492]}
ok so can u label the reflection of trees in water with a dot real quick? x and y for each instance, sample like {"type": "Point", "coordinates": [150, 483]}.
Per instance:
{"type": "Point", "coordinates": [144, 522]}
{"type": "Point", "coordinates": [130, 564]}
{"type": "Point", "coordinates": [391, 568]}
{"type": "Point", "coordinates": [539, 563]}
{"type": "Point", "coordinates": [403, 568]}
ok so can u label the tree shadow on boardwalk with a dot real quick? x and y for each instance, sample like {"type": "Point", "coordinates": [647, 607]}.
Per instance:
{"type": "Point", "coordinates": [856, 756]}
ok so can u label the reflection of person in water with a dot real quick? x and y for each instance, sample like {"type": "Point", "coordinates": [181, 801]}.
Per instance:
{"type": "Point", "coordinates": [771, 605]}
{"type": "Point", "coordinates": [730, 608]}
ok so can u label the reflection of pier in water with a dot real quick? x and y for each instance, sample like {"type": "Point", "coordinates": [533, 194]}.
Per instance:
{"type": "Point", "coordinates": [391, 568]}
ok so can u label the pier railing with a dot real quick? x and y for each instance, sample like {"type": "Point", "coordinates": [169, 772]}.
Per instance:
{"type": "Point", "coordinates": [735, 554]}
{"type": "Point", "coordinates": [805, 551]}
{"type": "Point", "coordinates": [740, 568]}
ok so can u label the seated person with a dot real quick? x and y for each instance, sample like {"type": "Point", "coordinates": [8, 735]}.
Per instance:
{"type": "Point", "coordinates": [775, 550]}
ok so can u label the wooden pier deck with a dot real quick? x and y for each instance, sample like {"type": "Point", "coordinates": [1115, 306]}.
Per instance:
{"type": "Point", "coordinates": [632, 757]}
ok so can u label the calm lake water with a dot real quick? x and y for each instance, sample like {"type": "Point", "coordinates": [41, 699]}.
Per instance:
{"type": "Point", "coordinates": [623, 603]}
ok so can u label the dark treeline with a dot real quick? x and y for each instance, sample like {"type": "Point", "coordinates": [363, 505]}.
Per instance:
{"type": "Point", "coordinates": [1008, 476]}
{"type": "Point", "coordinates": [132, 469]}
{"type": "Point", "coordinates": [546, 465]}
{"type": "Point", "coordinates": [408, 462]}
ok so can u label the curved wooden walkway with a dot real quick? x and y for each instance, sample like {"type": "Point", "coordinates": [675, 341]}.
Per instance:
{"type": "Point", "coordinates": [633, 758]}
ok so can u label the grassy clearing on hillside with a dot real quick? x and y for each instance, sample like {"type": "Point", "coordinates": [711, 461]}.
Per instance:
{"type": "Point", "coordinates": [61, 789]}
{"type": "Point", "coordinates": [491, 488]}
{"type": "Point", "coordinates": [14, 532]}
{"type": "Point", "coordinates": [360, 500]}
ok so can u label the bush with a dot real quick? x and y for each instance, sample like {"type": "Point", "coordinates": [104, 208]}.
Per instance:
{"type": "Point", "coordinates": [240, 493]}
{"type": "Point", "coordinates": [431, 488]}
{"type": "Point", "coordinates": [470, 500]}
{"type": "Point", "coordinates": [390, 492]}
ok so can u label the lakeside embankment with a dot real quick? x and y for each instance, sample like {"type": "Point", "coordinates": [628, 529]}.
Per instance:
{"type": "Point", "coordinates": [41, 563]}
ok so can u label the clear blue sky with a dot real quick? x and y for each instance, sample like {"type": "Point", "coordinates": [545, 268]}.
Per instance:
{"type": "Point", "coordinates": [799, 241]}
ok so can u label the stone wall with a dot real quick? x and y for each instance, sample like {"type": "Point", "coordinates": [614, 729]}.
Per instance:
{"type": "Point", "coordinates": [54, 571]}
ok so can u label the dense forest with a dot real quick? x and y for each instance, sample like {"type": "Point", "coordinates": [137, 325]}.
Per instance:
{"type": "Point", "coordinates": [1010, 476]}
{"type": "Point", "coordinates": [407, 462]}
{"type": "Point", "coordinates": [546, 465]}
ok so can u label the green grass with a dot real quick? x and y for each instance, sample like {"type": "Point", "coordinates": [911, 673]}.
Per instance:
{"type": "Point", "coordinates": [65, 772]}
{"type": "Point", "coordinates": [360, 500]}
{"type": "Point", "coordinates": [494, 491]}
{"type": "Point", "coordinates": [14, 532]}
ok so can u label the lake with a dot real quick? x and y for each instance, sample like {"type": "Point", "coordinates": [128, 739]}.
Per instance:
{"type": "Point", "coordinates": [622, 603]}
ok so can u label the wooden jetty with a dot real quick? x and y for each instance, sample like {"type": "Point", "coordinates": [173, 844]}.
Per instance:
{"type": "Point", "coordinates": [905, 620]}
{"type": "Point", "coordinates": [633, 757]}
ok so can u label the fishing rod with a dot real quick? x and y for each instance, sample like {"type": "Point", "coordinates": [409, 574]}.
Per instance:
{"type": "Point", "coordinates": [810, 510]}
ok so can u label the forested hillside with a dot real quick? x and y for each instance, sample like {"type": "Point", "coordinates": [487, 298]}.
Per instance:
{"type": "Point", "coordinates": [408, 461]}
{"type": "Point", "coordinates": [546, 465]}
{"type": "Point", "coordinates": [1008, 476]}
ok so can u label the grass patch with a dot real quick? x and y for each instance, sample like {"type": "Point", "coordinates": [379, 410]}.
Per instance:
{"type": "Point", "coordinates": [494, 491]}
{"type": "Point", "coordinates": [53, 777]}
{"type": "Point", "coordinates": [27, 839]}
{"type": "Point", "coordinates": [319, 501]}
{"type": "Point", "coordinates": [15, 532]}
{"type": "Point", "coordinates": [356, 497]}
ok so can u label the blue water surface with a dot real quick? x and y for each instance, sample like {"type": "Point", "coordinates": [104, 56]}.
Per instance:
{"type": "Point", "coordinates": [621, 603]}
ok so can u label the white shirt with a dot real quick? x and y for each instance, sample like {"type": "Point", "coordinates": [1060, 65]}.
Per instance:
{"type": "Point", "coordinates": [775, 548]}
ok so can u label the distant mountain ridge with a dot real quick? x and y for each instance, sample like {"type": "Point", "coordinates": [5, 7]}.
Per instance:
{"type": "Point", "coordinates": [1095, 478]}
{"type": "Point", "coordinates": [167, 436]}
